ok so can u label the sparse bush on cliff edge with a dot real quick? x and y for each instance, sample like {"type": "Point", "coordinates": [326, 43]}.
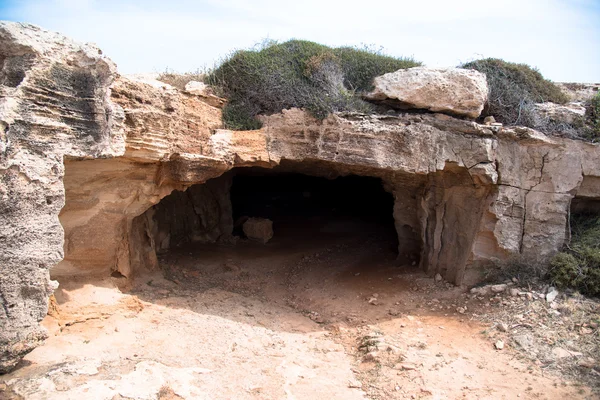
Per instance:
{"type": "Point", "coordinates": [593, 118]}
{"type": "Point", "coordinates": [297, 73]}
{"type": "Point", "coordinates": [514, 89]}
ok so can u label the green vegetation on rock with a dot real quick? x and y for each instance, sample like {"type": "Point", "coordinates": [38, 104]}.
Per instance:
{"type": "Point", "coordinates": [578, 267]}
{"type": "Point", "coordinates": [297, 73]}
{"type": "Point", "coordinates": [593, 118]}
{"type": "Point", "coordinates": [514, 89]}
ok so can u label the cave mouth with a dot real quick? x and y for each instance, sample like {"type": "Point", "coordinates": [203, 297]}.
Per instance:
{"type": "Point", "coordinates": [335, 227]}
{"type": "Point", "coordinates": [314, 209]}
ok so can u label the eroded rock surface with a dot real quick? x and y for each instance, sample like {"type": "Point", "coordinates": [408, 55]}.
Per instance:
{"type": "Point", "coordinates": [92, 152]}
{"type": "Point", "coordinates": [54, 103]}
{"type": "Point", "coordinates": [457, 91]}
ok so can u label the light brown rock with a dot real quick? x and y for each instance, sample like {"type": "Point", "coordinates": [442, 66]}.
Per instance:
{"type": "Point", "coordinates": [571, 113]}
{"type": "Point", "coordinates": [455, 91]}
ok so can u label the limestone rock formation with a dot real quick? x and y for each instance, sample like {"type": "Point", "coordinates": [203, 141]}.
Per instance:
{"type": "Point", "coordinates": [86, 155]}
{"type": "Point", "coordinates": [571, 113]}
{"type": "Point", "coordinates": [203, 90]}
{"type": "Point", "coordinates": [54, 104]}
{"type": "Point", "coordinates": [455, 91]}
{"type": "Point", "coordinates": [258, 229]}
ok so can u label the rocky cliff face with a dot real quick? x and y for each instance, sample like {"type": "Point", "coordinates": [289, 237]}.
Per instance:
{"type": "Point", "coordinates": [85, 154]}
{"type": "Point", "coordinates": [54, 104]}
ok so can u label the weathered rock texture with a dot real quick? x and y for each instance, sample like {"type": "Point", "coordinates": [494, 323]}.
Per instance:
{"type": "Point", "coordinates": [457, 91]}
{"type": "Point", "coordinates": [91, 152]}
{"type": "Point", "coordinates": [259, 229]}
{"type": "Point", "coordinates": [54, 103]}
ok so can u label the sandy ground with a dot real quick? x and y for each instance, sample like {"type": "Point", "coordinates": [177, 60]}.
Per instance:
{"type": "Point", "coordinates": [332, 317]}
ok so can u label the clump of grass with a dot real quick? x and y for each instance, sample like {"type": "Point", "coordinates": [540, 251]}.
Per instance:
{"type": "Point", "coordinates": [513, 91]}
{"type": "Point", "coordinates": [297, 73]}
{"type": "Point", "coordinates": [528, 270]}
{"type": "Point", "coordinates": [578, 267]}
{"type": "Point", "coordinates": [179, 80]}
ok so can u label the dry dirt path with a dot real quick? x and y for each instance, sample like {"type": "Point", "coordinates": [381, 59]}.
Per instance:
{"type": "Point", "coordinates": [333, 320]}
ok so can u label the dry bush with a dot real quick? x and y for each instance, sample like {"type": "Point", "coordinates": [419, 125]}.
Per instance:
{"type": "Point", "coordinates": [297, 73]}
{"type": "Point", "coordinates": [514, 89]}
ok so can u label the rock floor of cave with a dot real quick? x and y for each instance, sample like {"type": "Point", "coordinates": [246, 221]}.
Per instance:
{"type": "Point", "coordinates": [320, 272]}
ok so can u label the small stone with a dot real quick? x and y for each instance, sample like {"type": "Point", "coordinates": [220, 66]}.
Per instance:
{"type": "Point", "coordinates": [480, 291]}
{"type": "Point", "coordinates": [502, 327]}
{"type": "Point", "coordinates": [525, 341]}
{"type": "Point", "coordinates": [489, 120]}
{"type": "Point", "coordinates": [587, 362]}
{"type": "Point", "coordinates": [407, 366]}
{"type": "Point", "coordinates": [514, 292]}
{"type": "Point", "coordinates": [551, 295]}
{"type": "Point", "coordinates": [559, 352]}
{"type": "Point", "coordinates": [438, 278]}
{"type": "Point", "coordinates": [461, 310]}
{"type": "Point", "coordinates": [197, 88]}
{"type": "Point", "coordinates": [585, 331]}
{"type": "Point", "coordinates": [354, 384]}
{"type": "Point", "coordinates": [499, 345]}
{"type": "Point", "coordinates": [373, 301]}
{"type": "Point", "coordinates": [498, 288]}
{"type": "Point", "coordinates": [258, 229]}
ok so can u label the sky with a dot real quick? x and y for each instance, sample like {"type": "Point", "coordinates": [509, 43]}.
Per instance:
{"type": "Point", "coordinates": [559, 37]}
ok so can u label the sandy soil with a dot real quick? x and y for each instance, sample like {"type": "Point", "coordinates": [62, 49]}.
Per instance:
{"type": "Point", "coordinates": [327, 317]}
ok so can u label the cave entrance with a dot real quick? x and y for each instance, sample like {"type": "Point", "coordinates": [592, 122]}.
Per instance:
{"type": "Point", "coordinates": [314, 209]}
{"type": "Point", "coordinates": [336, 228]}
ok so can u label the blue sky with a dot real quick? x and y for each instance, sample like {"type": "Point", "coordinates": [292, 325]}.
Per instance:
{"type": "Point", "coordinates": [560, 37]}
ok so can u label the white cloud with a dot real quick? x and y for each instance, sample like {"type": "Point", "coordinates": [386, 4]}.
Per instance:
{"type": "Point", "coordinates": [560, 37]}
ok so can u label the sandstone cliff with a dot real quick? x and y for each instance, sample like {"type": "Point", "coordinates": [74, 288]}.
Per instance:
{"type": "Point", "coordinates": [86, 153]}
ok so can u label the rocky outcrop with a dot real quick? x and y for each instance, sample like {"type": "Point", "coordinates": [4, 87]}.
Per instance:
{"type": "Point", "coordinates": [54, 104]}
{"type": "Point", "coordinates": [455, 91]}
{"type": "Point", "coordinates": [93, 153]}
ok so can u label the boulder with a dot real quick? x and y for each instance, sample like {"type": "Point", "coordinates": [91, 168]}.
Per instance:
{"type": "Point", "coordinates": [259, 229]}
{"type": "Point", "coordinates": [456, 91]}
{"type": "Point", "coordinates": [197, 88]}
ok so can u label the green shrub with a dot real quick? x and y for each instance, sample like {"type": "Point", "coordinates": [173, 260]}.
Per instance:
{"type": "Point", "coordinates": [593, 118]}
{"type": "Point", "coordinates": [578, 267]}
{"type": "Point", "coordinates": [514, 89]}
{"type": "Point", "coordinates": [297, 73]}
